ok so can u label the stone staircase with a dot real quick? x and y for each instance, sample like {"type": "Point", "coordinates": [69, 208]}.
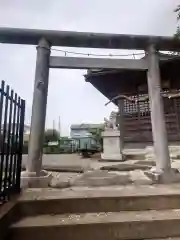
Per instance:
{"type": "Point", "coordinates": [129, 212]}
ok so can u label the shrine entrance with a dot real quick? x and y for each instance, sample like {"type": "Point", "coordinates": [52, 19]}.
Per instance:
{"type": "Point", "coordinates": [133, 87]}
{"type": "Point", "coordinates": [148, 70]}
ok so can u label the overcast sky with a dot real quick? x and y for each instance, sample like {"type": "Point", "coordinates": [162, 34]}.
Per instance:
{"type": "Point", "coordinates": [69, 96]}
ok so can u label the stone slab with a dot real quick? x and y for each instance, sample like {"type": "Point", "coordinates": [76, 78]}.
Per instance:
{"type": "Point", "coordinates": [126, 167]}
{"type": "Point", "coordinates": [111, 157]}
{"type": "Point", "coordinates": [62, 180]}
{"type": "Point", "coordinates": [101, 178]}
{"type": "Point", "coordinates": [139, 178]}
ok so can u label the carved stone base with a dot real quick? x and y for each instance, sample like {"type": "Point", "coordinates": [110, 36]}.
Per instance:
{"type": "Point", "coordinates": [31, 180]}
{"type": "Point", "coordinates": [170, 176]}
{"type": "Point", "coordinates": [111, 146]}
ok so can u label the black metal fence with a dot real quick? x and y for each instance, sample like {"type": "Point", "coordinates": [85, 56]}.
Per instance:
{"type": "Point", "coordinates": [12, 111]}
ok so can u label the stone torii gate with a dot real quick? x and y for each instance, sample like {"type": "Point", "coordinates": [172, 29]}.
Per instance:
{"type": "Point", "coordinates": [44, 39]}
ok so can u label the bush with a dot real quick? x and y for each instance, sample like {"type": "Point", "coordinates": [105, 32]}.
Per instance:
{"type": "Point", "coordinates": [51, 150]}
{"type": "Point", "coordinates": [25, 148]}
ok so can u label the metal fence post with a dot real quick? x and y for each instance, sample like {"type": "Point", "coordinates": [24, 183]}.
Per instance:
{"type": "Point", "coordinates": [20, 147]}
{"type": "Point", "coordinates": [12, 111]}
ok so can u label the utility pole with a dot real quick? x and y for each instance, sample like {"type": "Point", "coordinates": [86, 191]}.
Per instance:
{"type": "Point", "coordinates": [54, 127]}
{"type": "Point", "coordinates": [59, 126]}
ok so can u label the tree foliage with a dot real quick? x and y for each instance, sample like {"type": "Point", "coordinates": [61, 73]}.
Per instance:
{"type": "Point", "coordinates": [177, 34]}
{"type": "Point", "coordinates": [51, 135]}
{"type": "Point", "coordinates": [97, 133]}
{"type": "Point", "coordinates": [177, 11]}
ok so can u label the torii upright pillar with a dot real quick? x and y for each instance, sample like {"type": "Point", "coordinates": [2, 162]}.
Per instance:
{"type": "Point", "coordinates": [34, 176]}
{"type": "Point", "coordinates": [162, 172]}
{"type": "Point", "coordinates": [157, 112]}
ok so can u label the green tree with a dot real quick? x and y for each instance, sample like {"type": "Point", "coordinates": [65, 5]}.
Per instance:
{"type": "Point", "coordinates": [177, 11]}
{"type": "Point", "coordinates": [97, 133]}
{"type": "Point", "coordinates": [177, 34]}
{"type": "Point", "coordinates": [51, 135]}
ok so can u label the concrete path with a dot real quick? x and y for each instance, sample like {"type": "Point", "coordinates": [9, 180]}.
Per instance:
{"type": "Point", "coordinates": [67, 171]}
{"type": "Point", "coordinates": [62, 160]}
{"type": "Point", "coordinates": [69, 161]}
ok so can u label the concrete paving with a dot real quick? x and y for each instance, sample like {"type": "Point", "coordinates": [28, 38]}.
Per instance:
{"type": "Point", "coordinates": [67, 171]}
{"type": "Point", "coordinates": [69, 161]}
{"type": "Point", "coordinates": [62, 161]}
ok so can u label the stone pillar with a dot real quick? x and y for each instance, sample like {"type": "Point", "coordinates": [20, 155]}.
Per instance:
{"type": "Point", "coordinates": [121, 126]}
{"type": "Point", "coordinates": [157, 112]}
{"type": "Point", "coordinates": [34, 163]}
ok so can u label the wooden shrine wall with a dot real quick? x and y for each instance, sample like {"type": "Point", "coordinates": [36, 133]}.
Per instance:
{"type": "Point", "coordinates": [137, 122]}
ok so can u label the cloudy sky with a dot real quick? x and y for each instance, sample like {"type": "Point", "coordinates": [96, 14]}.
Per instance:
{"type": "Point", "coordinates": [69, 96]}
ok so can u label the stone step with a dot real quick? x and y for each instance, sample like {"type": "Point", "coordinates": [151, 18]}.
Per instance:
{"type": "Point", "coordinates": [105, 199]}
{"type": "Point", "coordinates": [169, 238]}
{"type": "Point", "coordinates": [105, 225]}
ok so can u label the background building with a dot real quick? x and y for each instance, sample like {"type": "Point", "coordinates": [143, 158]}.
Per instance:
{"type": "Point", "coordinates": [84, 129]}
